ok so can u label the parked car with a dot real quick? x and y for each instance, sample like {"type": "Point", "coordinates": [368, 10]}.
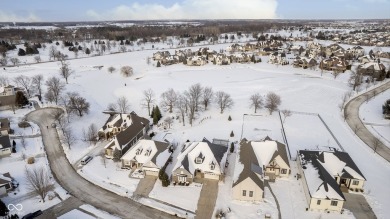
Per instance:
{"type": "Point", "coordinates": [85, 160]}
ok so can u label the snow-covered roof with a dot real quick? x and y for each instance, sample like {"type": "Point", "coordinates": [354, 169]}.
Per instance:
{"type": "Point", "coordinates": [264, 151]}
{"type": "Point", "coordinates": [377, 66]}
{"type": "Point", "coordinates": [208, 153]}
{"type": "Point", "coordinates": [148, 150]}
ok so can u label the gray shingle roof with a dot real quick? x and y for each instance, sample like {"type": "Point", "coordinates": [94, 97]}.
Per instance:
{"type": "Point", "coordinates": [138, 123]}
{"type": "Point", "coordinates": [4, 141]}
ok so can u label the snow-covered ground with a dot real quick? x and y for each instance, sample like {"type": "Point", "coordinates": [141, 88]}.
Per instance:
{"type": "Point", "coordinates": [301, 90]}
{"type": "Point", "coordinates": [111, 176]}
{"type": "Point", "coordinates": [371, 115]}
{"type": "Point", "coordinates": [98, 213]}
{"type": "Point", "coordinates": [185, 197]}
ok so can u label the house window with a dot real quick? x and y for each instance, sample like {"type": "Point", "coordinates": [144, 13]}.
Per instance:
{"type": "Point", "coordinates": [212, 166]}
{"type": "Point", "coordinates": [243, 192]}
{"type": "Point", "coordinates": [318, 202]}
{"type": "Point", "coordinates": [355, 182]}
{"type": "Point", "coordinates": [333, 203]}
{"type": "Point", "coordinates": [250, 193]}
{"type": "Point", "coordinates": [198, 160]}
{"type": "Point", "coordinates": [283, 171]}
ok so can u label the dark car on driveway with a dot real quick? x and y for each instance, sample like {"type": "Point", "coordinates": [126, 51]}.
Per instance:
{"type": "Point", "coordinates": [32, 215]}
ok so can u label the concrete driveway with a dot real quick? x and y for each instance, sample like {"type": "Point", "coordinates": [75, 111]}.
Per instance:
{"type": "Point", "coordinates": [359, 206]}
{"type": "Point", "coordinates": [76, 185]}
{"type": "Point", "coordinates": [145, 186]}
{"type": "Point", "coordinates": [207, 199]}
{"type": "Point", "coordinates": [353, 120]}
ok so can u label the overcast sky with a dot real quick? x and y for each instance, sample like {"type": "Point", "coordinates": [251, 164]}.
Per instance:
{"type": "Point", "coordinates": [98, 10]}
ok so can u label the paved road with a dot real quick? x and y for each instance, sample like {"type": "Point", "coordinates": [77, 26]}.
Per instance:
{"type": "Point", "coordinates": [359, 206]}
{"type": "Point", "coordinates": [353, 120]}
{"type": "Point", "coordinates": [61, 208]}
{"type": "Point", "coordinates": [207, 199]}
{"type": "Point", "coordinates": [76, 185]}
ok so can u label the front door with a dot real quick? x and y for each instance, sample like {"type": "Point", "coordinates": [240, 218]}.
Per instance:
{"type": "Point", "coordinates": [343, 181]}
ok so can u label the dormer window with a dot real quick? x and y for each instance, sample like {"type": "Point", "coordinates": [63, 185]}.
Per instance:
{"type": "Point", "coordinates": [138, 152]}
{"type": "Point", "coordinates": [212, 166]}
{"type": "Point", "coordinates": [147, 153]}
{"type": "Point", "coordinates": [198, 160]}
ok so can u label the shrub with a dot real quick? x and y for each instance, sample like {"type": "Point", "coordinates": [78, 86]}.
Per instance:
{"type": "Point", "coordinates": [30, 160]}
{"type": "Point", "coordinates": [232, 147]}
{"type": "Point", "coordinates": [230, 118]}
{"type": "Point", "coordinates": [232, 134]}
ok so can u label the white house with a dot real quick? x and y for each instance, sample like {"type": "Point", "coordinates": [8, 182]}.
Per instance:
{"type": "Point", "coordinates": [5, 144]}
{"type": "Point", "coordinates": [199, 160]}
{"type": "Point", "coordinates": [278, 58]}
{"type": "Point", "coordinates": [5, 184]}
{"type": "Point", "coordinates": [325, 175]}
{"type": "Point", "coordinates": [196, 61]}
{"type": "Point", "coordinates": [259, 161]}
{"type": "Point", "coordinates": [148, 155]}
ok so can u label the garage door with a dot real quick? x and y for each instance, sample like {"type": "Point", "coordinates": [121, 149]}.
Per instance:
{"type": "Point", "coordinates": [211, 176]}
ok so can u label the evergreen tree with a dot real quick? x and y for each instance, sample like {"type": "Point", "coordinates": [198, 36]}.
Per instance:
{"type": "Point", "coordinates": [165, 180]}
{"type": "Point", "coordinates": [3, 209]}
{"type": "Point", "coordinates": [156, 115]}
{"type": "Point", "coordinates": [158, 64]}
{"type": "Point", "coordinates": [87, 51]}
{"type": "Point", "coordinates": [152, 114]}
{"type": "Point", "coordinates": [20, 99]}
{"type": "Point", "coordinates": [230, 118]}
{"type": "Point", "coordinates": [253, 58]}
{"type": "Point", "coordinates": [232, 134]}
{"type": "Point", "coordinates": [232, 147]}
{"type": "Point", "coordinates": [21, 52]}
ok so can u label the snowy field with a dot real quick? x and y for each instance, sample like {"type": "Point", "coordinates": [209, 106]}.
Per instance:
{"type": "Point", "coordinates": [185, 197]}
{"type": "Point", "coordinates": [300, 90]}
{"type": "Point", "coordinates": [307, 132]}
{"type": "Point", "coordinates": [371, 115]}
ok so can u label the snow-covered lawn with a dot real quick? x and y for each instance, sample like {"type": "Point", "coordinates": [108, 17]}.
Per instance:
{"type": "Point", "coordinates": [307, 132]}
{"type": "Point", "coordinates": [111, 177]}
{"type": "Point", "coordinates": [98, 213]}
{"type": "Point", "coordinates": [75, 214]}
{"type": "Point", "coordinates": [371, 114]}
{"type": "Point", "coordinates": [182, 196]}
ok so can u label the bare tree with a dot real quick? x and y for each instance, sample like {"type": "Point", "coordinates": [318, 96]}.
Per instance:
{"type": "Point", "coordinates": [37, 59]}
{"type": "Point", "coordinates": [122, 49]}
{"type": "Point", "coordinates": [148, 99]}
{"type": "Point", "coordinates": [69, 137]}
{"type": "Point", "coordinates": [346, 115]}
{"type": "Point", "coordinates": [336, 73]}
{"type": "Point", "coordinates": [196, 91]}
{"type": "Point", "coordinates": [24, 82]}
{"type": "Point", "coordinates": [112, 107]}
{"type": "Point", "coordinates": [23, 141]}
{"type": "Point", "coordinates": [181, 105]}
{"type": "Point", "coordinates": [272, 102]}
{"type": "Point", "coordinates": [169, 99]}
{"type": "Point", "coordinates": [38, 181]}
{"type": "Point", "coordinates": [374, 92]}
{"type": "Point", "coordinates": [123, 104]}
{"type": "Point", "coordinates": [91, 135]}
{"type": "Point", "coordinates": [375, 143]}
{"type": "Point", "coordinates": [76, 53]}
{"type": "Point", "coordinates": [207, 96]}
{"type": "Point", "coordinates": [37, 82]}
{"type": "Point", "coordinates": [256, 101]}
{"type": "Point", "coordinates": [344, 99]}
{"type": "Point", "coordinates": [223, 100]}
{"type": "Point", "coordinates": [78, 104]}
{"type": "Point", "coordinates": [355, 79]}
{"type": "Point", "coordinates": [3, 61]}
{"type": "Point", "coordinates": [148, 60]}
{"type": "Point", "coordinates": [52, 52]}
{"type": "Point", "coordinates": [168, 121]}
{"type": "Point", "coordinates": [127, 71]}
{"type": "Point", "coordinates": [111, 69]}
{"type": "Point", "coordinates": [54, 89]}
{"type": "Point", "coordinates": [286, 113]}
{"type": "Point", "coordinates": [65, 70]}
{"type": "Point", "coordinates": [14, 61]}
{"type": "Point", "coordinates": [4, 80]}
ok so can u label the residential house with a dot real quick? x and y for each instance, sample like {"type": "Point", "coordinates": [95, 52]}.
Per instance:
{"type": "Point", "coordinates": [5, 144]}
{"type": "Point", "coordinates": [241, 58]}
{"type": "Point", "coordinates": [6, 184]}
{"type": "Point", "coordinates": [196, 61]}
{"type": "Point", "coordinates": [5, 126]}
{"type": "Point", "coordinates": [259, 161]}
{"type": "Point", "coordinates": [367, 58]}
{"type": "Point", "coordinates": [331, 49]}
{"type": "Point", "coordinates": [7, 97]}
{"type": "Point", "coordinates": [199, 160]}
{"type": "Point", "coordinates": [326, 174]}
{"type": "Point", "coordinates": [334, 64]}
{"type": "Point", "coordinates": [304, 62]}
{"type": "Point", "coordinates": [356, 51]}
{"type": "Point", "coordinates": [222, 59]}
{"type": "Point", "coordinates": [133, 129]}
{"type": "Point", "coordinates": [170, 60]}
{"type": "Point", "coordinates": [374, 69]}
{"type": "Point", "coordinates": [159, 55]}
{"type": "Point", "coordinates": [278, 58]}
{"type": "Point", "coordinates": [148, 155]}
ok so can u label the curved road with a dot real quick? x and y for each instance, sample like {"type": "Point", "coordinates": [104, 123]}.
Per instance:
{"type": "Point", "coordinates": [353, 120]}
{"type": "Point", "coordinates": [76, 185]}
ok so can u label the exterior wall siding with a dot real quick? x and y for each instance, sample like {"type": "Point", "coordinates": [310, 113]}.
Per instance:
{"type": "Point", "coordinates": [247, 185]}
